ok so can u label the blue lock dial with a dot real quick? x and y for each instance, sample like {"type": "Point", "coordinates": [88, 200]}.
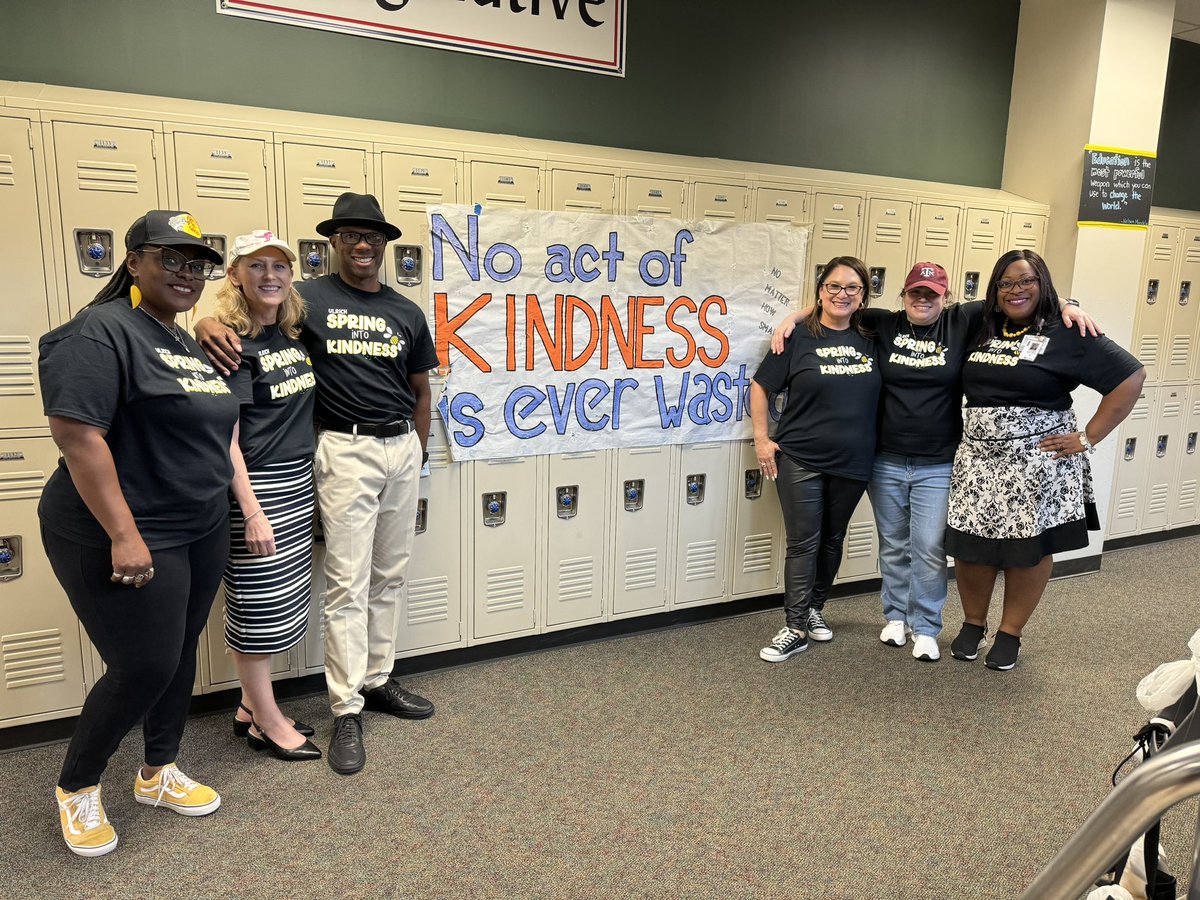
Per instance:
{"type": "Point", "coordinates": [95, 251]}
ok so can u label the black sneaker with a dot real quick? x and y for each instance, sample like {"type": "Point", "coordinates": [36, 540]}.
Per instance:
{"type": "Point", "coordinates": [784, 646]}
{"type": "Point", "coordinates": [347, 754]}
{"type": "Point", "coordinates": [818, 628]}
{"type": "Point", "coordinates": [390, 697]}
{"type": "Point", "coordinates": [1005, 650]}
{"type": "Point", "coordinates": [969, 642]}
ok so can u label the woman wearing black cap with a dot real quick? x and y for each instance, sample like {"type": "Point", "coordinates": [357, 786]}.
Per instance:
{"type": "Point", "coordinates": [135, 520]}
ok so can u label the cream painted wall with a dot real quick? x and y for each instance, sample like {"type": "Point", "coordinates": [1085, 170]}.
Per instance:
{"type": "Point", "coordinates": [1087, 72]}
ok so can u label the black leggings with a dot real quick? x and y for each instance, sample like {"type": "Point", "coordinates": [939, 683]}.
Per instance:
{"type": "Point", "coordinates": [816, 513]}
{"type": "Point", "coordinates": [147, 639]}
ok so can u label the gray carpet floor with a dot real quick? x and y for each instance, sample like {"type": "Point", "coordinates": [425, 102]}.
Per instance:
{"type": "Point", "coordinates": [669, 764]}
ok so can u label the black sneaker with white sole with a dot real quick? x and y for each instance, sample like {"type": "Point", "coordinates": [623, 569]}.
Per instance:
{"type": "Point", "coordinates": [784, 646]}
{"type": "Point", "coordinates": [969, 642]}
{"type": "Point", "coordinates": [818, 628]}
{"type": "Point", "coordinates": [1005, 650]}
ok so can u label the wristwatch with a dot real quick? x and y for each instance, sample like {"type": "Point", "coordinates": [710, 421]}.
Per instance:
{"type": "Point", "coordinates": [1083, 439]}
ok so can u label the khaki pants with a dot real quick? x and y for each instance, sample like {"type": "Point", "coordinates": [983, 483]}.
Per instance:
{"type": "Point", "coordinates": [367, 489]}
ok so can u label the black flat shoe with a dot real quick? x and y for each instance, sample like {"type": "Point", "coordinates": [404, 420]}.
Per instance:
{"type": "Point", "coordinates": [242, 729]}
{"type": "Point", "coordinates": [262, 741]}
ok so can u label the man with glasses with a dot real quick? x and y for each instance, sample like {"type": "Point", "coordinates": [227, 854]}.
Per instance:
{"type": "Point", "coordinates": [371, 351]}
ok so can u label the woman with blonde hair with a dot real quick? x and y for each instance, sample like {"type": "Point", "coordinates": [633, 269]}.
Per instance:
{"type": "Point", "coordinates": [268, 576]}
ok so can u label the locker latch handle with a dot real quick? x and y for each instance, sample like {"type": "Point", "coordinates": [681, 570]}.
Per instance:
{"type": "Point", "coordinates": [1130, 448]}
{"type": "Point", "coordinates": [94, 247]}
{"type": "Point", "coordinates": [1191, 442]}
{"type": "Point", "coordinates": [1152, 291]}
{"type": "Point", "coordinates": [566, 501]}
{"type": "Point", "coordinates": [10, 557]}
{"type": "Point", "coordinates": [971, 286]}
{"type": "Point", "coordinates": [1185, 292]}
{"type": "Point", "coordinates": [1160, 448]}
{"type": "Point", "coordinates": [878, 280]}
{"type": "Point", "coordinates": [495, 508]}
{"type": "Point", "coordinates": [634, 493]}
{"type": "Point", "coordinates": [422, 515]}
{"type": "Point", "coordinates": [753, 484]}
{"type": "Point", "coordinates": [694, 487]}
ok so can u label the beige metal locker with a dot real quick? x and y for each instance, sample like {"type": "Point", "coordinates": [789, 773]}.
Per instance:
{"type": "Point", "coordinates": [574, 190]}
{"type": "Point", "coordinates": [41, 657]}
{"type": "Point", "coordinates": [217, 672]}
{"type": "Point", "coordinates": [887, 251]}
{"type": "Point", "coordinates": [505, 547]}
{"type": "Point", "coordinates": [1163, 461]}
{"type": "Point", "coordinates": [577, 515]}
{"type": "Point", "coordinates": [640, 499]}
{"type": "Point", "coordinates": [313, 177]}
{"type": "Point", "coordinates": [1185, 506]}
{"type": "Point", "coordinates": [983, 242]}
{"type": "Point", "coordinates": [504, 183]}
{"type": "Point", "coordinates": [837, 223]}
{"type": "Point", "coordinates": [431, 611]}
{"type": "Point", "coordinates": [312, 648]}
{"type": "Point", "coordinates": [1026, 231]}
{"type": "Point", "coordinates": [1154, 304]}
{"type": "Point", "coordinates": [937, 238]}
{"type": "Point", "coordinates": [860, 556]}
{"type": "Point", "coordinates": [410, 183]}
{"type": "Point", "coordinates": [105, 176]}
{"type": "Point", "coordinates": [702, 509]}
{"type": "Point", "coordinates": [722, 202]}
{"type": "Point", "coordinates": [24, 232]}
{"type": "Point", "coordinates": [780, 205]}
{"type": "Point", "coordinates": [1179, 360]}
{"type": "Point", "coordinates": [757, 526]}
{"type": "Point", "coordinates": [1134, 448]}
{"type": "Point", "coordinates": [647, 195]}
{"type": "Point", "coordinates": [228, 184]}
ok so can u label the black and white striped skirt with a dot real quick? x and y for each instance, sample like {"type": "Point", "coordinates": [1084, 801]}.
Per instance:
{"type": "Point", "coordinates": [267, 597]}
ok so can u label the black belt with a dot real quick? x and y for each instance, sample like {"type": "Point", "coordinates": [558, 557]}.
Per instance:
{"type": "Point", "coordinates": [391, 429]}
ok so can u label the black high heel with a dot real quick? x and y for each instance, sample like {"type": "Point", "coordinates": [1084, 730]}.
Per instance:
{"type": "Point", "coordinates": [242, 729]}
{"type": "Point", "coordinates": [262, 741]}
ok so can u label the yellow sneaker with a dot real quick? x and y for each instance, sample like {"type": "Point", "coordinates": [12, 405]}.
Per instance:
{"type": "Point", "coordinates": [174, 790]}
{"type": "Point", "coordinates": [85, 827]}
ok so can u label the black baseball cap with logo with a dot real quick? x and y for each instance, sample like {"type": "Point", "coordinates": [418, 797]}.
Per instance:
{"type": "Point", "coordinates": [169, 228]}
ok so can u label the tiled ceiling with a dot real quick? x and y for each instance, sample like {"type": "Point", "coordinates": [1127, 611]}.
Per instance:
{"type": "Point", "coordinates": [1187, 20]}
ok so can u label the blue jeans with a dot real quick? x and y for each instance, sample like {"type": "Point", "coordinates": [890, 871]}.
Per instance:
{"type": "Point", "coordinates": [909, 501]}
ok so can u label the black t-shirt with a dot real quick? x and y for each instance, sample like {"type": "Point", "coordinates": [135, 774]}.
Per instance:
{"type": "Point", "coordinates": [363, 347]}
{"type": "Point", "coordinates": [828, 423]}
{"type": "Point", "coordinates": [169, 419]}
{"type": "Point", "coordinates": [996, 375]}
{"type": "Point", "coordinates": [920, 406]}
{"type": "Point", "coordinates": [276, 387]}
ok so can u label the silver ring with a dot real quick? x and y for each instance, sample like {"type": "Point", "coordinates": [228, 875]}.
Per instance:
{"type": "Point", "coordinates": [138, 579]}
{"type": "Point", "coordinates": [150, 572]}
{"type": "Point", "coordinates": [126, 579]}
{"type": "Point", "coordinates": [116, 574]}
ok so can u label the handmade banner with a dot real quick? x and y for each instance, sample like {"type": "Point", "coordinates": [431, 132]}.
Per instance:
{"type": "Point", "coordinates": [588, 35]}
{"type": "Point", "coordinates": [565, 332]}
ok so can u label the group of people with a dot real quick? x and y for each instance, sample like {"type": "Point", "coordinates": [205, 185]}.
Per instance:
{"type": "Point", "coordinates": [183, 467]}
{"type": "Point", "coordinates": [191, 461]}
{"type": "Point", "coordinates": [874, 402]}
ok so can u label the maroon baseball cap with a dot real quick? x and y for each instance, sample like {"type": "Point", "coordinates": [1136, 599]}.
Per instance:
{"type": "Point", "coordinates": [927, 274]}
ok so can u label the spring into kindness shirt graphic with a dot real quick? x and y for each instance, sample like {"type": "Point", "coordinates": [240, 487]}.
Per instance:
{"type": "Point", "coordinates": [565, 332]}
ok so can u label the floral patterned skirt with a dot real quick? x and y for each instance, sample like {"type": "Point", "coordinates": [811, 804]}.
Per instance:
{"type": "Point", "coordinates": [1011, 504]}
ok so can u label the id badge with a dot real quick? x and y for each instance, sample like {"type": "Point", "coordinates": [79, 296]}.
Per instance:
{"type": "Point", "coordinates": [1033, 346]}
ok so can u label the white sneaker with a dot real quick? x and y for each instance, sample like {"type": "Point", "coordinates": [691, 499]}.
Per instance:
{"type": "Point", "coordinates": [895, 633]}
{"type": "Point", "coordinates": [925, 648]}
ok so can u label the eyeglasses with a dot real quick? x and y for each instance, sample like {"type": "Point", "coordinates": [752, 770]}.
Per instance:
{"type": "Point", "coordinates": [374, 238]}
{"type": "Point", "coordinates": [1005, 285]}
{"type": "Point", "coordinates": [850, 290]}
{"type": "Point", "coordinates": [177, 262]}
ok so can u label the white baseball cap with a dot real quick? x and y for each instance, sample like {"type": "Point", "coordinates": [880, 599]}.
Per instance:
{"type": "Point", "coordinates": [249, 244]}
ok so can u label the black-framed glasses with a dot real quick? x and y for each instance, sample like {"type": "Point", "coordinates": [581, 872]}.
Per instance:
{"type": "Point", "coordinates": [1024, 283]}
{"type": "Point", "coordinates": [177, 262]}
{"type": "Point", "coordinates": [374, 238]}
{"type": "Point", "coordinates": [850, 290]}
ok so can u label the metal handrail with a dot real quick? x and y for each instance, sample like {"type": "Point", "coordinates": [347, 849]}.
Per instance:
{"type": "Point", "coordinates": [1132, 807]}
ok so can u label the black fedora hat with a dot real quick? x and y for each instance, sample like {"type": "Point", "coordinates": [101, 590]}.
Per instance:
{"type": "Point", "coordinates": [357, 209]}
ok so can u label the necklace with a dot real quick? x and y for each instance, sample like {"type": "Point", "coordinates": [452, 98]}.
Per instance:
{"type": "Point", "coordinates": [172, 330]}
{"type": "Point", "coordinates": [1014, 334]}
{"type": "Point", "coordinates": [932, 330]}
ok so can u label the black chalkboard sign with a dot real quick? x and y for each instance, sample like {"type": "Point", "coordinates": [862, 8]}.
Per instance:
{"type": "Point", "coordinates": [1117, 185]}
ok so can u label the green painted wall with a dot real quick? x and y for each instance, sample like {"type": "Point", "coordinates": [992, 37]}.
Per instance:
{"type": "Point", "coordinates": [917, 89]}
{"type": "Point", "coordinates": [1177, 182]}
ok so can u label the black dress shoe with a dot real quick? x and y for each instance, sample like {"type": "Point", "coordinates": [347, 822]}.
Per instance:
{"type": "Point", "coordinates": [347, 754]}
{"type": "Point", "coordinates": [241, 729]}
{"type": "Point", "coordinates": [390, 697]}
{"type": "Point", "coordinates": [262, 741]}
